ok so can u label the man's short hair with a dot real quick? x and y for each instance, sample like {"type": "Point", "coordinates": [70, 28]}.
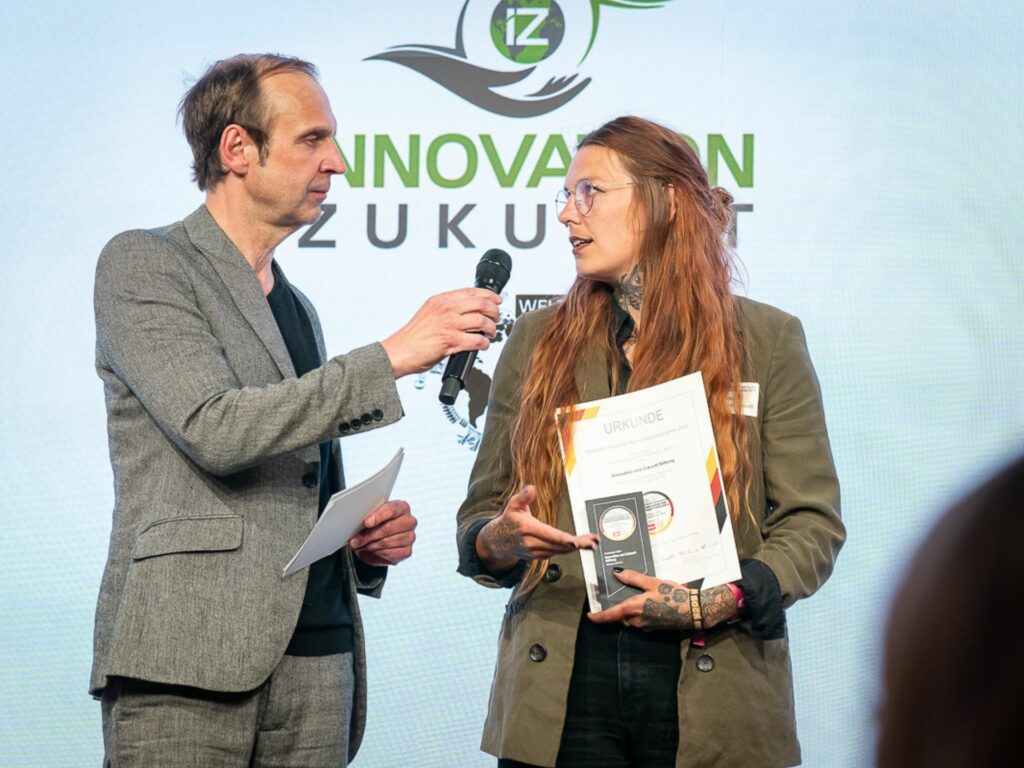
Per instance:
{"type": "Point", "coordinates": [229, 92]}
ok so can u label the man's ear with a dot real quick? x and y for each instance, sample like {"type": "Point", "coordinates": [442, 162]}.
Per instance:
{"type": "Point", "coordinates": [233, 143]}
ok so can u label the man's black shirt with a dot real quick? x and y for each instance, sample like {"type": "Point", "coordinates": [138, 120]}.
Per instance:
{"type": "Point", "coordinates": [325, 622]}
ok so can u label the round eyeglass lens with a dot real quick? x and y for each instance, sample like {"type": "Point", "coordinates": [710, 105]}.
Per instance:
{"type": "Point", "coordinates": [584, 196]}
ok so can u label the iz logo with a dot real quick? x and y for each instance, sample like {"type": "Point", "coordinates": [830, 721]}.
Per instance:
{"type": "Point", "coordinates": [523, 26]}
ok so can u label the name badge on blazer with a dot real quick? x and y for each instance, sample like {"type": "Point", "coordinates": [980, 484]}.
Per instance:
{"type": "Point", "coordinates": [750, 391]}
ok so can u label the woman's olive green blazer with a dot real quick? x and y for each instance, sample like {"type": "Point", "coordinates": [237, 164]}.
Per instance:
{"type": "Point", "coordinates": [736, 707]}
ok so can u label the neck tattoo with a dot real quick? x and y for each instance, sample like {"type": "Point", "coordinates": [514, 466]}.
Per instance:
{"type": "Point", "coordinates": [629, 291]}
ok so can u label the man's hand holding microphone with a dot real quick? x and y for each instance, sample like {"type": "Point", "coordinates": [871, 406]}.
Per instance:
{"type": "Point", "coordinates": [448, 323]}
{"type": "Point", "coordinates": [456, 324]}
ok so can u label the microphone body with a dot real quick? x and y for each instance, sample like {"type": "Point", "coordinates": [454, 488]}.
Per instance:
{"type": "Point", "coordinates": [492, 272]}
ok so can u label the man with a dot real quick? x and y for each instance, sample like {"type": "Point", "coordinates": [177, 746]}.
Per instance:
{"type": "Point", "coordinates": [223, 419]}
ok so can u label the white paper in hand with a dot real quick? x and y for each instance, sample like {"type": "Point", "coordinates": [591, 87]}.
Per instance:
{"type": "Point", "coordinates": [344, 515]}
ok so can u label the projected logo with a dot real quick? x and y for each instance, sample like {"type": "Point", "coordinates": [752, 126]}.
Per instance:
{"type": "Point", "coordinates": [466, 416]}
{"type": "Point", "coordinates": [525, 32]}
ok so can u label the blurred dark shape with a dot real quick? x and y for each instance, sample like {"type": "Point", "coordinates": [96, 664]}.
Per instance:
{"type": "Point", "coordinates": [953, 686]}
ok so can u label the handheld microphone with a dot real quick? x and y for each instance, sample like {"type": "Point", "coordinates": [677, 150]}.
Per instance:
{"type": "Point", "coordinates": [492, 272]}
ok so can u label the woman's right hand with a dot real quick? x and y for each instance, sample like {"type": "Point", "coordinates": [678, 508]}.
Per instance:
{"type": "Point", "coordinates": [516, 535]}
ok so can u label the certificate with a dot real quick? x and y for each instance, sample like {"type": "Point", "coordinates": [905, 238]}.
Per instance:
{"type": "Point", "coordinates": [642, 473]}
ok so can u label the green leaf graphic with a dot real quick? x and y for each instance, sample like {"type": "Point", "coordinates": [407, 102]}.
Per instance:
{"type": "Point", "coordinates": [595, 7]}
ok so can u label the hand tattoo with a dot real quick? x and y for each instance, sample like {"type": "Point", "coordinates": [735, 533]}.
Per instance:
{"type": "Point", "coordinates": [673, 612]}
{"type": "Point", "coordinates": [665, 615]}
{"type": "Point", "coordinates": [630, 290]}
{"type": "Point", "coordinates": [504, 540]}
{"type": "Point", "coordinates": [718, 604]}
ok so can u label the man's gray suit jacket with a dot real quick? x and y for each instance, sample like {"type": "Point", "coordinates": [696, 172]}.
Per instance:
{"type": "Point", "coordinates": [214, 445]}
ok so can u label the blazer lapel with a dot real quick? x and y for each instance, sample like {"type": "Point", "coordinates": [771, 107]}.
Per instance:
{"type": "Point", "coordinates": [241, 283]}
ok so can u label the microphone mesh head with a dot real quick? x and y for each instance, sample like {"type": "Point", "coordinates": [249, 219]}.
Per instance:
{"type": "Point", "coordinates": [494, 270]}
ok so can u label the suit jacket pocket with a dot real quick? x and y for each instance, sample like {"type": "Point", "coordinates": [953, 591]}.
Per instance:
{"type": "Point", "coordinates": [200, 533]}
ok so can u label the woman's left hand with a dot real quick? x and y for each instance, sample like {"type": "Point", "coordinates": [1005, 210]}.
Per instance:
{"type": "Point", "coordinates": [666, 605]}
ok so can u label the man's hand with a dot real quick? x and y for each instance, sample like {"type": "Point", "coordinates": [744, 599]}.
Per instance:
{"type": "Point", "coordinates": [447, 323]}
{"type": "Point", "coordinates": [666, 605]}
{"type": "Point", "coordinates": [516, 535]}
{"type": "Point", "coordinates": [387, 535]}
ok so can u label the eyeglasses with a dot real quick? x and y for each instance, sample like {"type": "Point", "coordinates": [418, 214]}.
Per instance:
{"type": "Point", "coordinates": [584, 193]}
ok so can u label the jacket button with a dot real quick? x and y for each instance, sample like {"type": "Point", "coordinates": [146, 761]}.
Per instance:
{"type": "Point", "coordinates": [538, 652]}
{"type": "Point", "coordinates": [344, 428]}
{"type": "Point", "coordinates": [365, 418]}
{"type": "Point", "coordinates": [553, 573]}
{"type": "Point", "coordinates": [377, 414]}
{"type": "Point", "coordinates": [355, 423]}
{"type": "Point", "coordinates": [705, 662]}
{"type": "Point", "coordinates": [310, 480]}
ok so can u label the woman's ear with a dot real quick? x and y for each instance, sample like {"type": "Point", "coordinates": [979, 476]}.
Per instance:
{"type": "Point", "coordinates": [671, 190]}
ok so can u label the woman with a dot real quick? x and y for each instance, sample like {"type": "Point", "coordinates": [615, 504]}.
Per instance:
{"type": "Point", "coordinates": [954, 671]}
{"type": "Point", "coordinates": [635, 685]}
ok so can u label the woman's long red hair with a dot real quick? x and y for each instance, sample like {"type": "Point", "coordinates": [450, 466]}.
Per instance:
{"type": "Point", "coordinates": [688, 320]}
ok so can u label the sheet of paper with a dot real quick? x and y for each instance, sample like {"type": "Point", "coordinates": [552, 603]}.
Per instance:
{"type": "Point", "coordinates": [657, 442]}
{"type": "Point", "coordinates": [344, 515]}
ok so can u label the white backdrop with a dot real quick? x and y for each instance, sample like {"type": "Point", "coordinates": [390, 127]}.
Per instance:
{"type": "Point", "coordinates": [883, 178]}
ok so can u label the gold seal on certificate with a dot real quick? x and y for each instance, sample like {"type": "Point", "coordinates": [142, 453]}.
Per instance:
{"type": "Point", "coordinates": [642, 473]}
{"type": "Point", "coordinates": [623, 542]}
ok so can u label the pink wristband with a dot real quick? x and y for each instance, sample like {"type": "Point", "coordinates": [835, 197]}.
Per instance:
{"type": "Point", "coordinates": [738, 594]}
